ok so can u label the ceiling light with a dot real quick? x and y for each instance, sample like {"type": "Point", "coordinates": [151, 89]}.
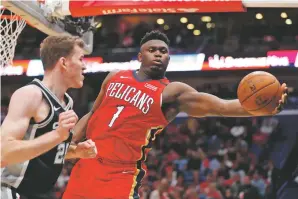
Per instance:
{"type": "Point", "coordinates": [289, 22]}
{"type": "Point", "coordinates": [190, 26]}
{"type": "Point", "coordinates": [196, 32]}
{"type": "Point", "coordinates": [206, 19]}
{"type": "Point", "coordinates": [160, 21]}
{"type": "Point", "coordinates": [183, 20]}
{"type": "Point", "coordinates": [283, 15]}
{"type": "Point", "coordinates": [259, 16]}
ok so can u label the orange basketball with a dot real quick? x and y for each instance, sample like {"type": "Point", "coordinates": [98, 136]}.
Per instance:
{"type": "Point", "coordinates": [259, 93]}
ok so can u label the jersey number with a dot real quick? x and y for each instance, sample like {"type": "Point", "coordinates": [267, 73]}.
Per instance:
{"type": "Point", "coordinates": [116, 115]}
{"type": "Point", "coordinates": [62, 149]}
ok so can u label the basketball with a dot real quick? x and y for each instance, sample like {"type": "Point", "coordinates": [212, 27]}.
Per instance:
{"type": "Point", "coordinates": [259, 93]}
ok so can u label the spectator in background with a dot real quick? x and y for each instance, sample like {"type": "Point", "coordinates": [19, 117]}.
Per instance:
{"type": "Point", "coordinates": [144, 191]}
{"type": "Point", "coordinates": [238, 129]}
{"type": "Point", "coordinates": [269, 125]}
{"type": "Point", "coordinates": [259, 183]}
{"type": "Point", "coordinates": [223, 170]}
{"type": "Point", "coordinates": [212, 192]}
{"type": "Point", "coordinates": [244, 158]}
{"type": "Point", "coordinates": [205, 185]}
{"type": "Point", "coordinates": [191, 193]}
{"type": "Point", "coordinates": [180, 184]}
{"type": "Point", "coordinates": [228, 194]}
{"type": "Point", "coordinates": [194, 153]}
{"type": "Point", "coordinates": [247, 190]}
{"type": "Point", "coordinates": [236, 185]}
{"type": "Point", "coordinates": [162, 191]}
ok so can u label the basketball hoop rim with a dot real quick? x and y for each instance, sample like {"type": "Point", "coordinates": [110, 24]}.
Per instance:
{"type": "Point", "coordinates": [16, 18]}
{"type": "Point", "coordinates": [11, 17]}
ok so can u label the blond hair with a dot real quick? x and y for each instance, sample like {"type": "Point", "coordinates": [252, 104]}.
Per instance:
{"type": "Point", "coordinates": [54, 47]}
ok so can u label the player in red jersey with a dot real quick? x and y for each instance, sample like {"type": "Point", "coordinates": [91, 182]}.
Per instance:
{"type": "Point", "coordinates": [130, 110]}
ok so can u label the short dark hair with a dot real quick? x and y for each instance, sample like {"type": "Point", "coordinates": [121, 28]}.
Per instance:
{"type": "Point", "coordinates": [155, 35]}
{"type": "Point", "coordinates": [54, 47]}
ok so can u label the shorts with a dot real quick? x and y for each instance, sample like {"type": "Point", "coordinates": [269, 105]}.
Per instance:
{"type": "Point", "coordinates": [94, 179]}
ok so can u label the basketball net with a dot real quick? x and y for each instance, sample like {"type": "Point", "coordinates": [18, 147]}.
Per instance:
{"type": "Point", "coordinates": [11, 26]}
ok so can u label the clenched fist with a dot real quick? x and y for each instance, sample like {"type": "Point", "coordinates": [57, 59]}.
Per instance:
{"type": "Point", "coordinates": [86, 149]}
{"type": "Point", "coordinates": [67, 121]}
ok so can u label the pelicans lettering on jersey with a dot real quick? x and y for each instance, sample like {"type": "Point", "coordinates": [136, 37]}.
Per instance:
{"type": "Point", "coordinates": [129, 116]}
{"type": "Point", "coordinates": [123, 128]}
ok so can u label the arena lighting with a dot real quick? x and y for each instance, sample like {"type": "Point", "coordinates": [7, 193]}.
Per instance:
{"type": "Point", "coordinates": [190, 26]}
{"type": "Point", "coordinates": [190, 62]}
{"type": "Point", "coordinates": [288, 21]}
{"type": "Point", "coordinates": [183, 20]}
{"type": "Point", "coordinates": [166, 27]}
{"type": "Point", "coordinates": [208, 25]}
{"type": "Point", "coordinates": [196, 32]}
{"type": "Point", "coordinates": [259, 16]}
{"type": "Point", "coordinates": [160, 21]}
{"type": "Point", "coordinates": [206, 19]}
{"type": "Point", "coordinates": [99, 25]}
{"type": "Point", "coordinates": [283, 15]}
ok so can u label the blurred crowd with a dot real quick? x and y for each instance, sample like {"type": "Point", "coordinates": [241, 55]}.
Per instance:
{"type": "Point", "coordinates": [208, 158]}
{"type": "Point", "coordinates": [214, 158]}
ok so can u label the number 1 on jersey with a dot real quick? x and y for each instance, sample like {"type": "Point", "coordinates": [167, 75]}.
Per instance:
{"type": "Point", "coordinates": [116, 115]}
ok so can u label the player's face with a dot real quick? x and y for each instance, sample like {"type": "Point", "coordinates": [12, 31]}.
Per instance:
{"type": "Point", "coordinates": [154, 57]}
{"type": "Point", "coordinates": [75, 67]}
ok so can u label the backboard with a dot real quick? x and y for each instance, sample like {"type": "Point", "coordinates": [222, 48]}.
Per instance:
{"type": "Point", "coordinates": [40, 16]}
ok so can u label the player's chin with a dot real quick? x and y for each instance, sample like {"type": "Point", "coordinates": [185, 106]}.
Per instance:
{"type": "Point", "coordinates": [156, 69]}
{"type": "Point", "coordinates": [78, 84]}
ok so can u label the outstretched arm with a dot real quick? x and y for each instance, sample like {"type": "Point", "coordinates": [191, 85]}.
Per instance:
{"type": "Point", "coordinates": [80, 128]}
{"type": "Point", "coordinates": [198, 104]}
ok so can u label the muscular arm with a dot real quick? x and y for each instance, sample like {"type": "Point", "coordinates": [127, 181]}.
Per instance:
{"type": "Point", "coordinates": [80, 128]}
{"type": "Point", "coordinates": [198, 104]}
{"type": "Point", "coordinates": [21, 109]}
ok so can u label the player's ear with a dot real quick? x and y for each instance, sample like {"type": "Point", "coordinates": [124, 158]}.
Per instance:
{"type": "Point", "coordinates": [140, 57]}
{"type": "Point", "coordinates": [62, 62]}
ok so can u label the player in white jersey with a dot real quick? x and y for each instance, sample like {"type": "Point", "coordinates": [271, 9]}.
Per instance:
{"type": "Point", "coordinates": [37, 131]}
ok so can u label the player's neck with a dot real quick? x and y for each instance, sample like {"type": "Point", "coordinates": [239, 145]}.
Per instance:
{"type": "Point", "coordinates": [55, 84]}
{"type": "Point", "coordinates": [143, 76]}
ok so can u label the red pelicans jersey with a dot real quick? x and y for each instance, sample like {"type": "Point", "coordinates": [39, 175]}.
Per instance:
{"type": "Point", "coordinates": [128, 119]}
